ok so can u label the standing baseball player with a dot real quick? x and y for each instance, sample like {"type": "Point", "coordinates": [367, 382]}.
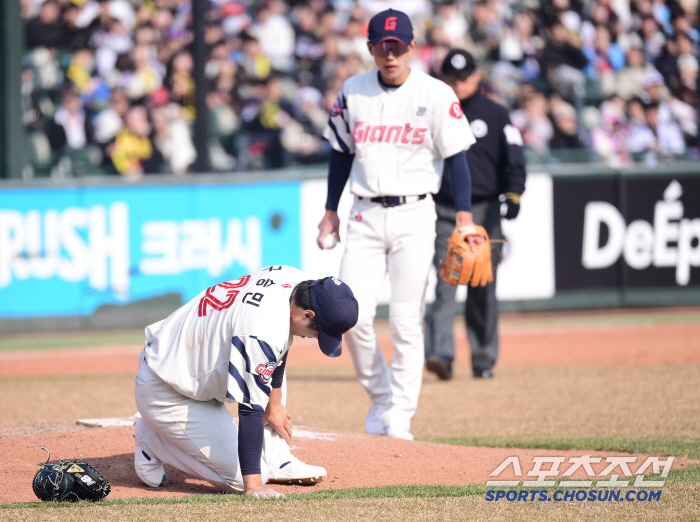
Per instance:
{"type": "Point", "coordinates": [230, 344]}
{"type": "Point", "coordinates": [392, 130]}
{"type": "Point", "coordinates": [497, 164]}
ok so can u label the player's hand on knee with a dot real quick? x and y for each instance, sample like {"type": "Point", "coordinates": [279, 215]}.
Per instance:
{"type": "Point", "coordinates": [277, 417]}
{"type": "Point", "coordinates": [264, 492]}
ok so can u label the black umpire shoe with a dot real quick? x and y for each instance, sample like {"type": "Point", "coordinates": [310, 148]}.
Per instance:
{"type": "Point", "coordinates": [439, 367]}
{"type": "Point", "coordinates": [483, 374]}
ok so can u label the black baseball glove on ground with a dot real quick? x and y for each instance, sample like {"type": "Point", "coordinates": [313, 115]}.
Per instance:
{"type": "Point", "coordinates": [70, 481]}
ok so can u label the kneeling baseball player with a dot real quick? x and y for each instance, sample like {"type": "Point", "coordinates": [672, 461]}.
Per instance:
{"type": "Point", "coordinates": [230, 344]}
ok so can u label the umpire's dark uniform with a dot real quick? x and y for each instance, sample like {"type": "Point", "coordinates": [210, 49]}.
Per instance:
{"type": "Point", "coordinates": [497, 166]}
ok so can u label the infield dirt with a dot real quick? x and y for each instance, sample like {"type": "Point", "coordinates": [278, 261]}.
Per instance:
{"type": "Point", "coordinates": [557, 379]}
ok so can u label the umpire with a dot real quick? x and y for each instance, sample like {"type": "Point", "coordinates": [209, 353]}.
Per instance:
{"type": "Point", "coordinates": [497, 165]}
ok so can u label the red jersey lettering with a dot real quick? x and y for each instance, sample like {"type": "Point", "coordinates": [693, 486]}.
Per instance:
{"type": "Point", "coordinates": [393, 128]}
{"type": "Point", "coordinates": [377, 133]}
{"type": "Point", "coordinates": [407, 129]}
{"type": "Point", "coordinates": [382, 133]}
{"type": "Point", "coordinates": [418, 136]}
{"type": "Point", "coordinates": [265, 372]}
{"type": "Point", "coordinates": [357, 134]}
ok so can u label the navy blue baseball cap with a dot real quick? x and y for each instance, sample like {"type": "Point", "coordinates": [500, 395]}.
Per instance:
{"type": "Point", "coordinates": [336, 312]}
{"type": "Point", "coordinates": [390, 25]}
{"type": "Point", "coordinates": [458, 63]}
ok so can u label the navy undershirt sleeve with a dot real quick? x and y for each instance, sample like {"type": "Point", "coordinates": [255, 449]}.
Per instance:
{"type": "Point", "coordinates": [278, 375]}
{"type": "Point", "coordinates": [457, 169]}
{"type": "Point", "coordinates": [338, 174]}
{"type": "Point", "coordinates": [250, 439]}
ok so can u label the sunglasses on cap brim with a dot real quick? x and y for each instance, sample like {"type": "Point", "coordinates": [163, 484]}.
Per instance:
{"type": "Point", "coordinates": [385, 46]}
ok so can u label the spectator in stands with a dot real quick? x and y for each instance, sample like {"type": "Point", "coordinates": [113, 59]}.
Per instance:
{"type": "Point", "coordinates": [453, 24]}
{"type": "Point", "coordinates": [604, 58]}
{"type": "Point", "coordinates": [530, 45]}
{"type": "Point", "coordinates": [47, 29]}
{"type": "Point", "coordinates": [671, 109]}
{"type": "Point", "coordinates": [668, 139]}
{"type": "Point", "coordinates": [563, 61]}
{"type": "Point", "coordinates": [640, 139]}
{"type": "Point", "coordinates": [147, 76]}
{"type": "Point", "coordinates": [275, 34]}
{"type": "Point", "coordinates": [71, 125]}
{"type": "Point", "coordinates": [630, 78]}
{"type": "Point", "coordinates": [649, 138]}
{"type": "Point", "coordinates": [301, 136]}
{"type": "Point", "coordinates": [485, 30]}
{"type": "Point", "coordinates": [262, 117]}
{"type": "Point", "coordinates": [252, 62]}
{"type": "Point", "coordinates": [132, 152]}
{"type": "Point", "coordinates": [111, 41]}
{"type": "Point", "coordinates": [80, 70]}
{"type": "Point", "coordinates": [308, 45]}
{"type": "Point", "coordinates": [172, 139]}
{"type": "Point", "coordinates": [325, 70]}
{"type": "Point", "coordinates": [81, 22]}
{"type": "Point", "coordinates": [354, 42]}
{"type": "Point", "coordinates": [652, 36]}
{"type": "Point", "coordinates": [180, 83]}
{"type": "Point", "coordinates": [108, 122]}
{"type": "Point", "coordinates": [609, 138]}
{"type": "Point", "coordinates": [538, 128]}
{"type": "Point", "coordinates": [642, 48]}
{"type": "Point", "coordinates": [565, 127]}
{"type": "Point", "coordinates": [688, 72]}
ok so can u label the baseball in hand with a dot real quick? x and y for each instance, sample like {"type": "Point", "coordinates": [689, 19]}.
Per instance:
{"type": "Point", "coordinates": [330, 241]}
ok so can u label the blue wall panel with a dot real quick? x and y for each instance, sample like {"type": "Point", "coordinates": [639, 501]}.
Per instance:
{"type": "Point", "coordinates": [68, 251]}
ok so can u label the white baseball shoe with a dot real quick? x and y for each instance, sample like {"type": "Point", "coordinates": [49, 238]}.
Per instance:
{"type": "Point", "coordinates": [148, 468]}
{"type": "Point", "coordinates": [294, 471]}
{"type": "Point", "coordinates": [398, 430]}
{"type": "Point", "coordinates": [373, 421]}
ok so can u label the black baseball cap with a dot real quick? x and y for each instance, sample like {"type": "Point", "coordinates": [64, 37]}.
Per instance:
{"type": "Point", "coordinates": [336, 312]}
{"type": "Point", "coordinates": [390, 25]}
{"type": "Point", "coordinates": [458, 63]}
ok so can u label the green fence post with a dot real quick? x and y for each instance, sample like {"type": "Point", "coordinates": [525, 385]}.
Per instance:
{"type": "Point", "coordinates": [12, 136]}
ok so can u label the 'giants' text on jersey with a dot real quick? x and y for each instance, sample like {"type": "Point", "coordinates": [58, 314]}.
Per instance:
{"type": "Point", "coordinates": [399, 136]}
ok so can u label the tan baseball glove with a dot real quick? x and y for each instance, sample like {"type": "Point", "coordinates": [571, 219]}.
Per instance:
{"type": "Point", "coordinates": [462, 266]}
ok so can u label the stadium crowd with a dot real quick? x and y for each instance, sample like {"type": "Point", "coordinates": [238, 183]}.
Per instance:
{"type": "Point", "coordinates": [108, 84]}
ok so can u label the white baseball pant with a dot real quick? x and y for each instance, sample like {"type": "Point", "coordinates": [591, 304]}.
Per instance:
{"type": "Point", "coordinates": [197, 437]}
{"type": "Point", "coordinates": [398, 241]}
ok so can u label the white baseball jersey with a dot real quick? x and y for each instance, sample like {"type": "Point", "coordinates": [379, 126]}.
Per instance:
{"type": "Point", "coordinates": [399, 136]}
{"type": "Point", "coordinates": [226, 343]}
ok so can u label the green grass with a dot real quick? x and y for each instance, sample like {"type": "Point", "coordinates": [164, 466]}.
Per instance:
{"type": "Point", "coordinates": [413, 491]}
{"type": "Point", "coordinates": [676, 447]}
{"type": "Point", "coordinates": [70, 339]}
{"type": "Point", "coordinates": [688, 475]}
{"type": "Point", "coordinates": [611, 319]}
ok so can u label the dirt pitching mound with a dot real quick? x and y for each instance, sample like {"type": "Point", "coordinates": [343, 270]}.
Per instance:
{"type": "Point", "coordinates": [352, 460]}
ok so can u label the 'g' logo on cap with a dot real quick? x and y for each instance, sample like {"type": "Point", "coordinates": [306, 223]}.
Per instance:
{"type": "Point", "coordinates": [390, 25]}
{"type": "Point", "coordinates": [458, 61]}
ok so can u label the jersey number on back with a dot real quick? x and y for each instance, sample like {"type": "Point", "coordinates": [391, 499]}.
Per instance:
{"type": "Point", "coordinates": [211, 300]}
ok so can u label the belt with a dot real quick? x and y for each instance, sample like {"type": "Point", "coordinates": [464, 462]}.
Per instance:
{"type": "Point", "coordinates": [394, 201]}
